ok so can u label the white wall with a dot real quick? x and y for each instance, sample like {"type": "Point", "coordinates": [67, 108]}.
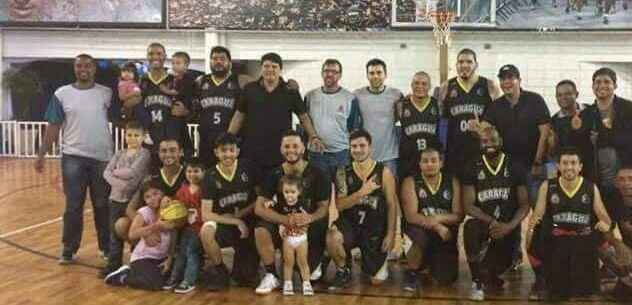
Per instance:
{"type": "Point", "coordinates": [544, 59]}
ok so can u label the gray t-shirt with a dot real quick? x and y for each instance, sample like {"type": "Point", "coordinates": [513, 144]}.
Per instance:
{"type": "Point", "coordinates": [378, 115]}
{"type": "Point", "coordinates": [333, 115]}
{"type": "Point", "coordinates": [83, 114]}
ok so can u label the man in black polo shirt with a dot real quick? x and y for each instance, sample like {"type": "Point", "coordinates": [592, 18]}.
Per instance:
{"type": "Point", "coordinates": [265, 113]}
{"type": "Point", "coordinates": [562, 122]}
{"type": "Point", "coordinates": [522, 118]}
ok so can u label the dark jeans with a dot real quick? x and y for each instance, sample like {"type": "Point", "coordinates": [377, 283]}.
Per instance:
{"type": "Point", "coordinates": [329, 162]}
{"type": "Point", "coordinates": [146, 274]}
{"type": "Point", "coordinates": [80, 174]}
{"type": "Point", "coordinates": [189, 257]}
{"type": "Point", "coordinates": [115, 259]}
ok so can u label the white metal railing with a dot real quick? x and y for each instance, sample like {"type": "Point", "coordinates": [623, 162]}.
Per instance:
{"type": "Point", "coordinates": [22, 139]}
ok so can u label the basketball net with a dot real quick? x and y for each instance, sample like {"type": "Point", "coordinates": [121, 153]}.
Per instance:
{"type": "Point", "coordinates": [439, 16]}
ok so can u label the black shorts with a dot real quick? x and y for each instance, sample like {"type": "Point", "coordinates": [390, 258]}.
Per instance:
{"type": "Point", "coordinates": [495, 255]}
{"type": "Point", "coordinates": [316, 239]}
{"type": "Point", "coordinates": [370, 244]}
{"type": "Point", "coordinates": [574, 266]}
{"type": "Point", "coordinates": [246, 259]}
{"type": "Point", "coordinates": [442, 257]}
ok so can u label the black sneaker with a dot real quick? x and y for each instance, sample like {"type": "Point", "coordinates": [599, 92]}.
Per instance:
{"type": "Point", "coordinates": [218, 278]}
{"type": "Point", "coordinates": [171, 283]}
{"type": "Point", "coordinates": [66, 258]}
{"type": "Point", "coordinates": [538, 292]}
{"type": "Point", "coordinates": [118, 277]}
{"type": "Point", "coordinates": [184, 287]}
{"type": "Point", "coordinates": [107, 270]}
{"type": "Point", "coordinates": [410, 281]}
{"type": "Point", "coordinates": [342, 279]}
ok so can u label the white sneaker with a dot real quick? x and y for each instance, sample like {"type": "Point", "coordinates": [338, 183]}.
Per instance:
{"type": "Point", "coordinates": [315, 276]}
{"type": "Point", "coordinates": [288, 288]}
{"type": "Point", "coordinates": [477, 293]}
{"type": "Point", "coordinates": [268, 283]}
{"type": "Point", "coordinates": [307, 288]}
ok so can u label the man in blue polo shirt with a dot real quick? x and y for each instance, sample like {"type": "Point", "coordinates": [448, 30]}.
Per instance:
{"type": "Point", "coordinates": [80, 110]}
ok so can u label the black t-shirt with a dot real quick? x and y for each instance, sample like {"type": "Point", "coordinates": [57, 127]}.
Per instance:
{"type": "Point", "coordinates": [371, 214]}
{"type": "Point", "coordinates": [316, 188]}
{"type": "Point", "coordinates": [419, 127]}
{"type": "Point", "coordinates": [561, 125]}
{"type": "Point", "coordinates": [434, 202]}
{"type": "Point", "coordinates": [572, 211]}
{"type": "Point", "coordinates": [613, 201]}
{"type": "Point", "coordinates": [215, 104]}
{"type": "Point", "coordinates": [170, 188]}
{"type": "Point", "coordinates": [496, 188]}
{"type": "Point", "coordinates": [268, 116]}
{"type": "Point", "coordinates": [459, 106]}
{"type": "Point", "coordinates": [518, 125]}
{"type": "Point", "coordinates": [231, 194]}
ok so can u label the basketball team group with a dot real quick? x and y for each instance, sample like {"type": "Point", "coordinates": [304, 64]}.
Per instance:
{"type": "Point", "coordinates": [363, 170]}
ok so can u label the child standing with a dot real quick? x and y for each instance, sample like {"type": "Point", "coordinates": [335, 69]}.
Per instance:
{"type": "Point", "coordinates": [187, 264]}
{"type": "Point", "coordinates": [294, 237]}
{"type": "Point", "coordinates": [150, 259]}
{"type": "Point", "coordinates": [124, 173]}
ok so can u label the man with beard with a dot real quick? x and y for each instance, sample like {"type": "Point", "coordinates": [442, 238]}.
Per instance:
{"type": "Point", "coordinates": [431, 201]}
{"type": "Point", "coordinates": [495, 196]}
{"type": "Point", "coordinates": [419, 117]}
{"type": "Point", "coordinates": [335, 113]}
{"type": "Point", "coordinates": [169, 178]}
{"type": "Point", "coordinates": [228, 199]}
{"type": "Point", "coordinates": [215, 98]}
{"type": "Point", "coordinates": [463, 99]}
{"type": "Point", "coordinates": [158, 110]}
{"type": "Point", "coordinates": [366, 196]}
{"type": "Point", "coordinates": [316, 193]}
{"type": "Point", "coordinates": [574, 220]}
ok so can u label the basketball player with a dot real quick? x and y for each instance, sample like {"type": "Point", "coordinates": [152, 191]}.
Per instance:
{"type": "Point", "coordinates": [419, 117]}
{"type": "Point", "coordinates": [316, 193]}
{"type": "Point", "coordinates": [462, 97]}
{"type": "Point", "coordinates": [170, 178]}
{"type": "Point", "coordinates": [495, 196]}
{"type": "Point", "coordinates": [228, 198]}
{"type": "Point", "coordinates": [215, 98]}
{"type": "Point", "coordinates": [575, 214]}
{"type": "Point", "coordinates": [155, 110]}
{"type": "Point", "coordinates": [624, 185]}
{"type": "Point", "coordinates": [366, 197]}
{"type": "Point", "coordinates": [431, 201]}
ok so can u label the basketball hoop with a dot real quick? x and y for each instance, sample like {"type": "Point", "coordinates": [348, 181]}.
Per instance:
{"type": "Point", "coordinates": [438, 14]}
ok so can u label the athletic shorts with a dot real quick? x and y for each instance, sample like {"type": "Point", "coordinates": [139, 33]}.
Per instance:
{"type": "Point", "coordinates": [442, 257]}
{"type": "Point", "coordinates": [370, 244]}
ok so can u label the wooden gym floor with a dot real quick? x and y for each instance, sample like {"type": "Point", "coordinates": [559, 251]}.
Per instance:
{"type": "Point", "coordinates": [31, 206]}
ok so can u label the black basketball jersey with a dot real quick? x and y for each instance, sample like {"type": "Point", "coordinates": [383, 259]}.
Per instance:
{"type": "Point", "coordinates": [170, 188]}
{"type": "Point", "coordinates": [215, 103]}
{"type": "Point", "coordinates": [371, 213]}
{"type": "Point", "coordinates": [459, 107]}
{"type": "Point", "coordinates": [434, 201]}
{"type": "Point", "coordinates": [230, 194]}
{"type": "Point", "coordinates": [316, 188]}
{"type": "Point", "coordinates": [157, 105]}
{"type": "Point", "coordinates": [571, 209]}
{"type": "Point", "coordinates": [495, 187]}
{"type": "Point", "coordinates": [419, 127]}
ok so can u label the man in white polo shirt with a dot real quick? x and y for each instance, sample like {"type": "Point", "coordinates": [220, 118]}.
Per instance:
{"type": "Point", "coordinates": [80, 110]}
